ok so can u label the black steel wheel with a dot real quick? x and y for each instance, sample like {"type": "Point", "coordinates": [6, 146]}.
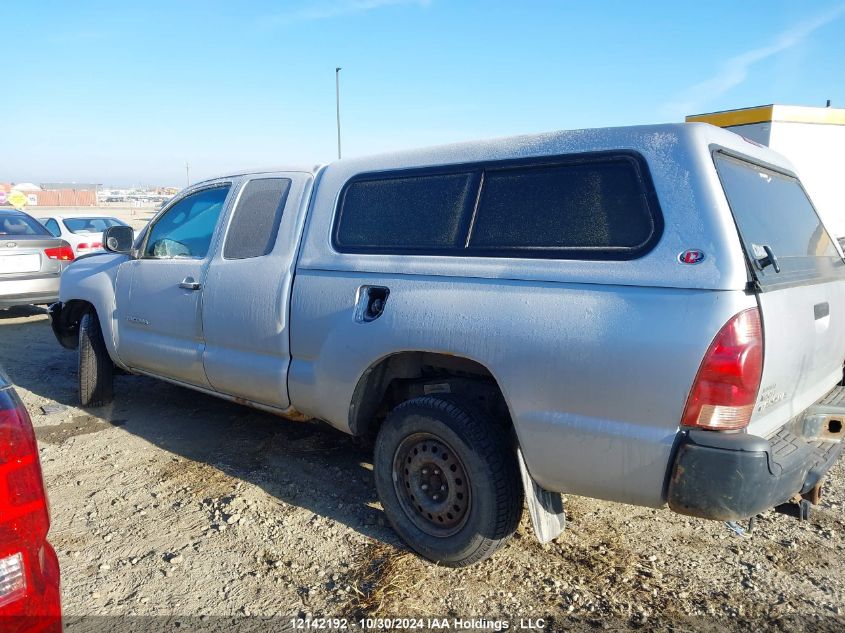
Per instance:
{"type": "Point", "coordinates": [432, 487]}
{"type": "Point", "coordinates": [447, 479]}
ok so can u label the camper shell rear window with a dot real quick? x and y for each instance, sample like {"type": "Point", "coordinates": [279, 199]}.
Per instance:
{"type": "Point", "coordinates": [584, 206]}
{"type": "Point", "coordinates": [772, 211]}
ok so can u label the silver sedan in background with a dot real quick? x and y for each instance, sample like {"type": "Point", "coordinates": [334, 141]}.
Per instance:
{"type": "Point", "coordinates": [31, 260]}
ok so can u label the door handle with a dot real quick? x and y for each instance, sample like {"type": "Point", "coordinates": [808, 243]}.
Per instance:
{"type": "Point", "coordinates": [188, 283]}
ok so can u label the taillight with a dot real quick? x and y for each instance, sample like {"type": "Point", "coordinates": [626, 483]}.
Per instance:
{"type": "Point", "coordinates": [24, 515]}
{"type": "Point", "coordinates": [12, 578]}
{"type": "Point", "coordinates": [96, 244]}
{"type": "Point", "coordinates": [62, 253]}
{"type": "Point", "coordinates": [83, 246]}
{"type": "Point", "coordinates": [725, 389]}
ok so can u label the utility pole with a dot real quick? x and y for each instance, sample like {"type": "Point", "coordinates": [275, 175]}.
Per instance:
{"type": "Point", "coordinates": [337, 100]}
{"type": "Point", "coordinates": [187, 173]}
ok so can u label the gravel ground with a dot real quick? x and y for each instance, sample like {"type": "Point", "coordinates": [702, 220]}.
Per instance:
{"type": "Point", "coordinates": [172, 503]}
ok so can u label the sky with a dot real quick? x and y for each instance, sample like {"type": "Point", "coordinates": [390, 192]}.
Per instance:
{"type": "Point", "coordinates": [127, 93]}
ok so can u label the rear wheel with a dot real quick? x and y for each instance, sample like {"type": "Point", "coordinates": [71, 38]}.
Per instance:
{"type": "Point", "coordinates": [447, 478]}
{"type": "Point", "coordinates": [96, 372]}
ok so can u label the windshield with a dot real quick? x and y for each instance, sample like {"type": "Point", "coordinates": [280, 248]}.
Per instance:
{"type": "Point", "coordinates": [16, 224]}
{"type": "Point", "coordinates": [774, 214]}
{"type": "Point", "coordinates": [90, 225]}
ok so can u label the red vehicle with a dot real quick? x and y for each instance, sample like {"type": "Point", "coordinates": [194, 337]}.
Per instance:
{"type": "Point", "coordinates": [29, 569]}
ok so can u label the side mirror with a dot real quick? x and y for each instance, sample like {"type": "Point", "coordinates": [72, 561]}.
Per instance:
{"type": "Point", "coordinates": [118, 239]}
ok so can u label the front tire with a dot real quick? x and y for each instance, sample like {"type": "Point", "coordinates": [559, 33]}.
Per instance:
{"type": "Point", "coordinates": [447, 478]}
{"type": "Point", "coordinates": [96, 371]}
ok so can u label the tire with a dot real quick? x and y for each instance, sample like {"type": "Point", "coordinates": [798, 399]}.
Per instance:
{"type": "Point", "coordinates": [96, 371]}
{"type": "Point", "coordinates": [448, 480]}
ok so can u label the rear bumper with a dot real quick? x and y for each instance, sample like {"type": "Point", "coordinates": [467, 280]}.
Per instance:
{"type": "Point", "coordinates": [731, 476]}
{"type": "Point", "coordinates": [16, 292]}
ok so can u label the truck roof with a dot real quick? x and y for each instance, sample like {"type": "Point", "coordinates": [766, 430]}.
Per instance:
{"type": "Point", "coordinates": [651, 140]}
{"type": "Point", "coordinates": [569, 141]}
{"type": "Point", "coordinates": [684, 177]}
{"type": "Point", "coordinates": [302, 168]}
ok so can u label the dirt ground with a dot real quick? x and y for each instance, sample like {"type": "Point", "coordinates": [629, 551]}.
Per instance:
{"type": "Point", "coordinates": [172, 503]}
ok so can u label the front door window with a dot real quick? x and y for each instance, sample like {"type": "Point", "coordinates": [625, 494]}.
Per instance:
{"type": "Point", "coordinates": [185, 230]}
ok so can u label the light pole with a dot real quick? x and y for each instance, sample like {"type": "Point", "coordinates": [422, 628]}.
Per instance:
{"type": "Point", "coordinates": [337, 100]}
{"type": "Point", "coordinates": [187, 173]}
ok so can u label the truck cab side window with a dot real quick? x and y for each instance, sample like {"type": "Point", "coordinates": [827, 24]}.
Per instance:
{"type": "Point", "coordinates": [256, 219]}
{"type": "Point", "coordinates": [187, 227]}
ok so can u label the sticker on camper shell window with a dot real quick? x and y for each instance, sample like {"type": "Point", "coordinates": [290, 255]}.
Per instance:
{"type": "Point", "coordinates": [692, 256]}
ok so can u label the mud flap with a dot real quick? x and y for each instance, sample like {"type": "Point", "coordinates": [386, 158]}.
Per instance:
{"type": "Point", "coordinates": [545, 508]}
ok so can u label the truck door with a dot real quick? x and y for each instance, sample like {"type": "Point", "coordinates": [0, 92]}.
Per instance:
{"type": "Point", "coordinates": [159, 293]}
{"type": "Point", "coordinates": [245, 312]}
{"type": "Point", "coordinates": [800, 279]}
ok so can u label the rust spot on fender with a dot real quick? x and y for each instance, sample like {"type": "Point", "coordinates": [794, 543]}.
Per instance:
{"type": "Point", "coordinates": [291, 413]}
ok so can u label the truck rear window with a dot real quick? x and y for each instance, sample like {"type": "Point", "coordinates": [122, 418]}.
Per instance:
{"type": "Point", "coordinates": [771, 209]}
{"type": "Point", "coordinates": [596, 206]}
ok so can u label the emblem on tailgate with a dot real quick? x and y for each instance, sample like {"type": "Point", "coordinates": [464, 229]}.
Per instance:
{"type": "Point", "coordinates": [769, 396]}
{"type": "Point", "coordinates": [692, 256]}
{"type": "Point", "coordinates": [11, 244]}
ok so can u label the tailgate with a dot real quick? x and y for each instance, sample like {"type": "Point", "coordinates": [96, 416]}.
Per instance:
{"type": "Point", "coordinates": [799, 277]}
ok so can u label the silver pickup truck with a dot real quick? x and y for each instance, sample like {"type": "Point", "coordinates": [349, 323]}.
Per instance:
{"type": "Point", "coordinates": [651, 315]}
